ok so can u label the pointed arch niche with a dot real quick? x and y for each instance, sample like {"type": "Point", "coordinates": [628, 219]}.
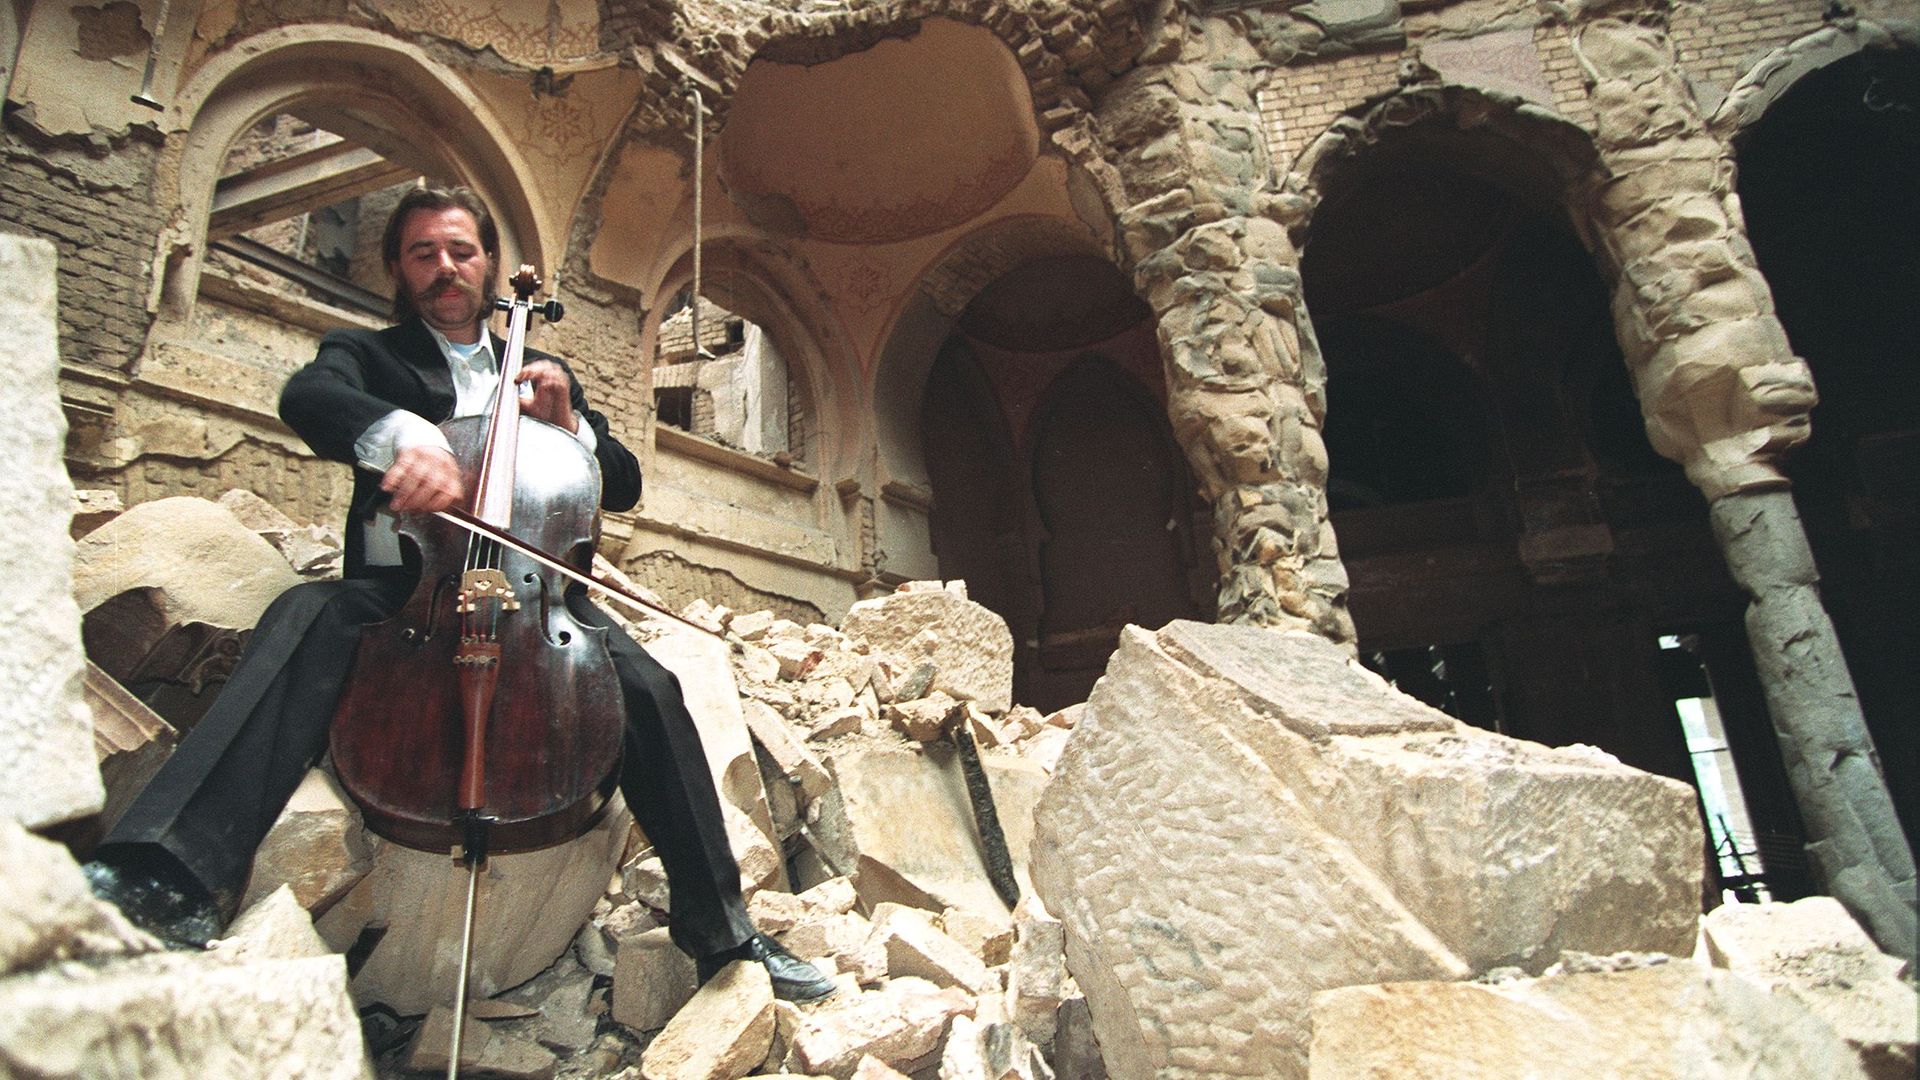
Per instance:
{"type": "Point", "coordinates": [1054, 485]}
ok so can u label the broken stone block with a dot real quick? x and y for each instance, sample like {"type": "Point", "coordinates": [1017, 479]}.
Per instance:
{"type": "Point", "coordinates": [1037, 971]}
{"type": "Point", "coordinates": [700, 663]}
{"type": "Point", "coordinates": [789, 752]}
{"type": "Point", "coordinates": [563, 999]}
{"type": "Point", "coordinates": [130, 740]}
{"type": "Point", "coordinates": [47, 913]}
{"type": "Point", "coordinates": [923, 719]}
{"type": "Point", "coordinates": [47, 771]}
{"type": "Point", "coordinates": [837, 723]}
{"type": "Point", "coordinates": [872, 1068]}
{"type": "Point", "coordinates": [900, 1024]}
{"type": "Point", "coordinates": [274, 927]}
{"type": "Point", "coordinates": [797, 658]}
{"type": "Point", "coordinates": [531, 904]}
{"type": "Point", "coordinates": [169, 591]}
{"type": "Point", "coordinates": [483, 1050]}
{"type": "Point", "coordinates": [652, 979]}
{"type": "Point", "coordinates": [1813, 951]}
{"type": "Point", "coordinates": [183, 1015]}
{"type": "Point", "coordinates": [752, 625]}
{"type": "Point", "coordinates": [1660, 1022]}
{"type": "Point", "coordinates": [990, 1051]}
{"type": "Point", "coordinates": [722, 1034]}
{"type": "Point", "coordinates": [1227, 782]}
{"type": "Point", "coordinates": [969, 644]}
{"type": "Point", "coordinates": [986, 935]}
{"type": "Point", "coordinates": [316, 847]}
{"type": "Point", "coordinates": [312, 551]}
{"type": "Point", "coordinates": [916, 946]}
{"type": "Point", "coordinates": [845, 939]}
{"type": "Point", "coordinates": [902, 819]}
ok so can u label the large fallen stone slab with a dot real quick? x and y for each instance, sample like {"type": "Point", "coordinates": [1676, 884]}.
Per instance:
{"type": "Point", "coordinates": [530, 906]}
{"type": "Point", "coordinates": [169, 592]}
{"type": "Point", "coordinates": [47, 773]}
{"type": "Point", "coordinates": [1813, 951]}
{"type": "Point", "coordinates": [901, 821]}
{"type": "Point", "coordinates": [970, 646]}
{"type": "Point", "coordinates": [1667, 1022]}
{"type": "Point", "coordinates": [1244, 817]}
{"type": "Point", "coordinates": [700, 662]}
{"type": "Point", "coordinates": [182, 1016]}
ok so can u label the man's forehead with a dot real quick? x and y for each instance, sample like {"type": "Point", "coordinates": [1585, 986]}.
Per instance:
{"type": "Point", "coordinates": [449, 225]}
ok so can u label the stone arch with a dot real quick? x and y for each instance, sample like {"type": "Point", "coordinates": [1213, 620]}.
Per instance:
{"type": "Point", "coordinates": [1768, 80]}
{"type": "Point", "coordinates": [971, 370]}
{"type": "Point", "coordinates": [934, 305]}
{"type": "Point", "coordinates": [390, 94]}
{"type": "Point", "coordinates": [1450, 236]}
{"type": "Point", "coordinates": [1825, 135]}
{"type": "Point", "coordinates": [1563, 160]}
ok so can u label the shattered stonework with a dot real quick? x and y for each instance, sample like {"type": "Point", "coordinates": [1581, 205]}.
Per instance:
{"type": "Point", "coordinates": [1228, 787]}
{"type": "Point", "coordinates": [1724, 395]}
{"type": "Point", "coordinates": [1204, 230]}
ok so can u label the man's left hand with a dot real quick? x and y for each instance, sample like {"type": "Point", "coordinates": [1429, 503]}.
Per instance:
{"type": "Point", "coordinates": [552, 399]}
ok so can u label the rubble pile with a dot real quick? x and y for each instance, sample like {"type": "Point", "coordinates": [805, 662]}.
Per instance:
{"type": "Point", "coordinates": [1243, 854]}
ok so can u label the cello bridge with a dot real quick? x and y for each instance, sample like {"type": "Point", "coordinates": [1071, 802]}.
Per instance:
{"type": "Point", "coordinates": [478, 585]}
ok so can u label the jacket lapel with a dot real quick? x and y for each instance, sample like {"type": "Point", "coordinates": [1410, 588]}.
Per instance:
{"type": "Point", "coordinates": [416, 349]}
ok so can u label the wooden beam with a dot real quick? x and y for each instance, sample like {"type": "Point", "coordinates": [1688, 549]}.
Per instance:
{"type": "Point", "coordinates": [298, 184]}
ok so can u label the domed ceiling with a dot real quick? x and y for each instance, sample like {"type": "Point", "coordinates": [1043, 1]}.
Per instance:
{"type": "Point", "coordinates": [904, 139]}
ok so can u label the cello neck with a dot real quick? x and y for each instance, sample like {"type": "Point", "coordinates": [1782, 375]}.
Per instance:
{"type": "Point", "coordinates": [493, 489]}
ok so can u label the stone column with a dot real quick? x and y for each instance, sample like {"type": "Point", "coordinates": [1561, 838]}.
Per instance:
{"type": "Point", "coordinates": [1205, 233]}
{"type": "Point", "coordinates": [1724, 395]}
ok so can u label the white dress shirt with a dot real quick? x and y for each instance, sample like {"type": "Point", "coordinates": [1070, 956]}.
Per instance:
{"type": "Point", "coordinates": [475, 379]}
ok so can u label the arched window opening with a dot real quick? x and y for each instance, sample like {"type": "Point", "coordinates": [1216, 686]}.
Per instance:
{"type": "Point", "coordinates": [732, 386]}
{"type": "Point", "coordinates": [299, 209]}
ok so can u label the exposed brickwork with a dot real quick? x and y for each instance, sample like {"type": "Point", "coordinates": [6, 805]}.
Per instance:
{"type": "Point", "coordinates": [1298, 103]}
{"type": "Point", "coordinates": [1717, 41]}
{"type": "Point", "coordinates": [102, 220]}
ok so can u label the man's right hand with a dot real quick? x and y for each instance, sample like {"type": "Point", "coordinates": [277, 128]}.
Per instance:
{"type": "Point", "coordinates": [423, 479]}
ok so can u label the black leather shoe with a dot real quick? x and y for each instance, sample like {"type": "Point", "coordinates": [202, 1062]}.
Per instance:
{"type": "Point", "coordinates": [170, 905]}
{"type": "Point", "coordinates": [793, 978]}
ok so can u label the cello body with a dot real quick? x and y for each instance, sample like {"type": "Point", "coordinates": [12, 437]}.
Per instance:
{"type": "Point", "coordinates": [554, 718]}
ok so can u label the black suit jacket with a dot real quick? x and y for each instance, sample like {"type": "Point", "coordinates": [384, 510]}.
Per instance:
{"type": "Point", "coordinates": [360, 376]}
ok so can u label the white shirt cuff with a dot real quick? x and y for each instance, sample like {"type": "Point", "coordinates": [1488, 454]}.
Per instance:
{"type": "Point", "coordinates": [398, 430]}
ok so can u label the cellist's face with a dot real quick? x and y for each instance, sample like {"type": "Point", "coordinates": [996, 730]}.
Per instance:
{"type": "Point", "coordinates": [444, 270]}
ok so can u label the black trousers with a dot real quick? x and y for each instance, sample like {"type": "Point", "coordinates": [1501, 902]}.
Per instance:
{"type": "Point", "coordinates": [215, 798]}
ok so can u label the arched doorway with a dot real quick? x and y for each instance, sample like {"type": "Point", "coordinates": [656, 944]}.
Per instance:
{"type": "Point", "coordinates": [1058, 492]}
{"type": "Point", "coordinates": [1830, 183]}
{"type": "Point", "coordinates": [1518, 553]}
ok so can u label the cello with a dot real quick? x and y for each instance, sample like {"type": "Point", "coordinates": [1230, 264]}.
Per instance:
{"type": "Point", "coordinates": [483, 717]}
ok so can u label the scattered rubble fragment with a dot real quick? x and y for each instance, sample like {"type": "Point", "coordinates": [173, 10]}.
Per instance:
{"type": "Point", "coordinates": [837, 755]}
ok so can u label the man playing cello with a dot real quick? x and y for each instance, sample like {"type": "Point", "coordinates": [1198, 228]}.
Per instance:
{"type": "Point", "coordinates": [179, 858]}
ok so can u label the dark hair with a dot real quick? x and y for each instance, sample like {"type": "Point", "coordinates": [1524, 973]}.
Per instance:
{"type": "Point", "coordinates": [438, 198]}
